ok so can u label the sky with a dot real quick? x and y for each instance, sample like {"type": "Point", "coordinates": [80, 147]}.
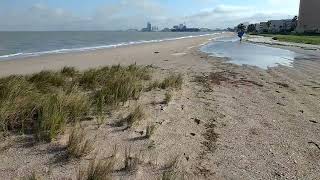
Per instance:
{"type": "Point", "coordinates": [44, 15]}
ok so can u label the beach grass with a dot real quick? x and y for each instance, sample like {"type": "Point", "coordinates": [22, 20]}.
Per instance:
{"type": "Point", "coordinates": [78, 146]}
{"type": "Point", "coordinates": [305, 39]}
{"type": "Point", "coordinates": [172, 81]}
{"type": "Point", "coordinates": [43, 103]}
{"type": "Point", "coordinates": [168, 97]}
{"type": "Point", "coordinates": [98, 169]}
{"type": "Point", "coordinates": [150, 131]}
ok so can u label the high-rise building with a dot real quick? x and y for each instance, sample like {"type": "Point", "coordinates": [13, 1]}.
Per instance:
{"type": "Point", "coordinates": [149, 27]}
{"type": "Point", "coordinates": [309, 16]}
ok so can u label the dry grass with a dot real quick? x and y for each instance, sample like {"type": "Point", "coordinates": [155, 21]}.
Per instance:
{"type": "Point", "coordinates": [168, 175]}
{"type": "Point", "coordinates": [78, 146]}
{"type": "Point", "coordinates": [169, 170]}
{"type": "Point", "coordinates": [69, 71]}
{"type": "Point", "coordinates": [43, 103]}
{"type": "Point", "coordinates": [167, 98]}
{"type": "Point", "coordinates": [47, 81]}
{"type": "Point", "coordinates": [172, 81]}
{"type": "Point", "coordinates": [98, 170]}
{"type": "Point", "coordinates": [56, 110]}
{"type": "Point", "coordinates": [130, 163]}
{"type": "Point", "coordinates": [135, 116]}
{"type": "Point", "coordinates": [32, 176]}
{"type": "Point", "coordinates": [150, 131]}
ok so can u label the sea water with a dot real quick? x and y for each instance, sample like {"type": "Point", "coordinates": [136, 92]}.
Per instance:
{"type": "Point", "coordinates": [250, 54]}
{"type": "Point", "coordinates": [23, 44]}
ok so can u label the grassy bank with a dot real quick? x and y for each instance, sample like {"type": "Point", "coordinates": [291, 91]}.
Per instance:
{"type": "Point", "coordinates": [305, 39]}
{"type": "Point", "coordinates": [42, 104]}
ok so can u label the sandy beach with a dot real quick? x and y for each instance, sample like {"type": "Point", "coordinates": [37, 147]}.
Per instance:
{"type": "Point", "coordinates": [227, 121]}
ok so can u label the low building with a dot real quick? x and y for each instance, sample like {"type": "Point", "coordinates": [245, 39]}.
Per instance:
{"type": "Point", "coordinates": [166, 30]}
{"type": "Point", "coordinates": [257, 26]}
{"type": "Point", "coordinates": [263, 27]}
{"type": "Point", "coordinates": [284, 25]}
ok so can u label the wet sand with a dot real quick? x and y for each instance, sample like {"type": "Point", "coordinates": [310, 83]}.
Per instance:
{"type": "Point", "coordinates": [227, 122]}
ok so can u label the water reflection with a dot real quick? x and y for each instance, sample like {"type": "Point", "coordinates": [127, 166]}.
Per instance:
{"type": "Point", "coordinates": [250, 54]}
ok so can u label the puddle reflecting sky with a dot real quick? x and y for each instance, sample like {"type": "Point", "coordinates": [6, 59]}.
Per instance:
{"type": "Point", "coordinates": [250, 54]}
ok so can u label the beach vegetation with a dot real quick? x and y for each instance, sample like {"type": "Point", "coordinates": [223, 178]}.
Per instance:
{"type": "Point", "coordinates": [169, 170]}
{"type": "Point", "coordinates": [31, 176]}
{"type": "Point", "coordinates": [43, 103]}
{"type": "Point", "coordinates": [47, 81]}
{"type": "Point", "coordinates": [78, 146]}
{"type": "Point", "coordinates": [168, 97]}
{"type": "Point", "coordinates": [98, 169]}
{"type": "Point", "coordinates": [296, 38]}
{"type": "Point", "coordinates": [69, 71]}
{"type": "Point", "coordinates": [134, 117]}
{"type": "Point", "coordinates": [150, 131]}
{"type": "Point", "coordinates": [130, 163]}
{"type": "Point", "coordinates": [173, 81]}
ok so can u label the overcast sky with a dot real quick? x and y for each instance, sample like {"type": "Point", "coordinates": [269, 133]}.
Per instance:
{"type": "Point", "coordinates": [125, 14]}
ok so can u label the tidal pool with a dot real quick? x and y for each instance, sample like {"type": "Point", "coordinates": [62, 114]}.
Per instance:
{"type": "Point", "coordinates": [251, 54]}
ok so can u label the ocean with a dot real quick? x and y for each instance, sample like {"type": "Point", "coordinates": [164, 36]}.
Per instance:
{"type": "Point", "coordinates": [25, 44]}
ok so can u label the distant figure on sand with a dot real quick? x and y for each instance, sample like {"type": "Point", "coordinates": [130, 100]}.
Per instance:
{"type": "Point", "coordinates": [240, 35]}
{"type": "Point", "coordinates": [241, 29]}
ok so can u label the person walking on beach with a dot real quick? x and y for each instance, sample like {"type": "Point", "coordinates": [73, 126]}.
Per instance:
{"type": "Point", "coordinates": [241, 29]}
{"type": "Point", "coordinates": [240, 35]}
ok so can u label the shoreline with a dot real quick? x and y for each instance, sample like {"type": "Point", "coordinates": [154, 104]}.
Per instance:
{"type": "Point", "coordinates": [21, 55]}
{"type": "Point", "coordinates": [96, 58]}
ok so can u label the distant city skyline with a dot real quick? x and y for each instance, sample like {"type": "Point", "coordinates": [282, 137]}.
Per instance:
{"type": "Point", "coordinates": [134, 14]}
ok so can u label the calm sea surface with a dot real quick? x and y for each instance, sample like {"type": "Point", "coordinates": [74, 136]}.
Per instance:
{"type": "Point", "coordinates": [22, 44]}
{"type": "Point", "coordinates": [251, 54]}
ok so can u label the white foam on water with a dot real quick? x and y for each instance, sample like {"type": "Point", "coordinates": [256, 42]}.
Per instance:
{"type": "Point", "coordinates": [84, 49]}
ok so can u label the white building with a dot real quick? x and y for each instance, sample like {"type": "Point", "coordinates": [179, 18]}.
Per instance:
{"type": "Point", "coordinates": [263, 27]}
{"type": "Point", "coordinates": [280, 25]}
{"type": "Point", "coordinates": [257, 26]}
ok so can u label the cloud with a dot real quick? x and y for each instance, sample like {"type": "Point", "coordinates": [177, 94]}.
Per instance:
{"type": "Point", "coordinates": [125, 14]}
{"type": "Point", "coordinates": [40, 17]}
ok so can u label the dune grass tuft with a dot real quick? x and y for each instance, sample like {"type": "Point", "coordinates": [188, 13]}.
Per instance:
{"type": "Point", "coordinates": [43, 103]}
{"type": "Point", "coordinates": [173, 81]}
{"type": "Point", "coordinates": [150, 131]}
{"type": "Point", "coordinates": [130, 163]}
{"type": "Point", "coordinates": [168, 175]}
{"type": "Point", "coordinates": [98, 170]}
{"type": "Point", "coordinates": [31, 176]}
{"type": "Point", "coordinates": [169, 170]}
{"type": "Point", "coordinates": [46, 81]}
{"type": "Point", "coordinates": [78, 146]}
{"type": "Point", "coordinates": [168, 97]}
{"type": "Point", "coordinates": [135, 116]}
{"type": "Point", "coordinates": [69, 71]}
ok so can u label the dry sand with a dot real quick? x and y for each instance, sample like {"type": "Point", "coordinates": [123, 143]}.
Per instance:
{"type": "Point", "coordinates": [227, 122]}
